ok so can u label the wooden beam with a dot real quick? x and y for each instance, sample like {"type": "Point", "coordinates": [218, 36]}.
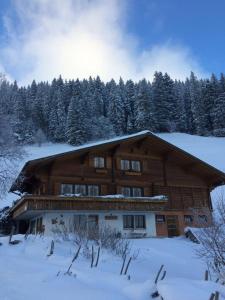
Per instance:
{"type": "Point", "coordinates": [83, 157]}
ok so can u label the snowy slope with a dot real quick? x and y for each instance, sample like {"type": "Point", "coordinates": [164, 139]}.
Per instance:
{"type": "Point", "coordinates": [209, 149]}
{"type": "Point", "coordinates": [27, 273]}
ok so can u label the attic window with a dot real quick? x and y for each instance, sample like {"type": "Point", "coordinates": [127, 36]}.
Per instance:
{"type": "Point", "coordinates": [99, 162]}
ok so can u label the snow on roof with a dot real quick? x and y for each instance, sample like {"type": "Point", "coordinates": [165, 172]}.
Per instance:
{"type": "Point", "coordinates": [102, 142]}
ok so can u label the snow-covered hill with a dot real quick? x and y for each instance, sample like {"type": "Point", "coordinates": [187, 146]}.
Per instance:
{"type": "Point", "coordinates": [27, 273]}
{"type": "Point", "coordinates": [209, 149]}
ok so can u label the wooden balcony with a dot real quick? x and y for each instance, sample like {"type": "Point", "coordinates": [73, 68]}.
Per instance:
{"type": "Point", "coordinates": [32, 204]}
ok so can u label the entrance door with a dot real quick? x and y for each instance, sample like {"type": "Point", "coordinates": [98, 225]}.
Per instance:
{"type": "Point", "coordinates": [172, 226]}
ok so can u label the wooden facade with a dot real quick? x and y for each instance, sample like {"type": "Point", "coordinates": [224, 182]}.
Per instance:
{"type": "Point", "coordinates": [185, 181]}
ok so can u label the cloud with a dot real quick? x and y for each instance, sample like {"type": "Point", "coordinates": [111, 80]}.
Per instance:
{"type": "Point", "coordinates": [81, 38]}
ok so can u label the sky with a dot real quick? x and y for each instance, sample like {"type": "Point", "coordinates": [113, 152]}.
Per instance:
{"type": "Point", "coordinates": [42, 39]}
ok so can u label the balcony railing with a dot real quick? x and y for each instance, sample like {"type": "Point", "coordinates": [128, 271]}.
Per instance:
{"type": "Point", "coordinates": [31, 203]}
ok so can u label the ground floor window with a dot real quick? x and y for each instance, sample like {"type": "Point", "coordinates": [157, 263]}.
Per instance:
{"type": "Point", "coordinates": [84, 222]}
{"type": "Point", "coordinates": [202, 219]}
{"type": "Point", "coordinates": [160, 219]}
{"type": "Point", "coordinates": [188, 218]}
{"type": "Point", "coordinates": [134, 222]}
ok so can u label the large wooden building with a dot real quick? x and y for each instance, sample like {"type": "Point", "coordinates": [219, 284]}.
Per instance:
{"type": "Point", "coordinates": [139, 184]}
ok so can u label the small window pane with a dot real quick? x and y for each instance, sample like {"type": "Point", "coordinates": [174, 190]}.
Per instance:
{"type": "Point", "coordinates": [140, 222]}
{"type": "Point", "coordinates": [188, 219]}
{"type": "Point", "coordinates": [93, 190]}
{"type": "Point", "coordinates": [99, 162]}
{"type": "Point", "coordinates": [125, 164]}
{"type": "Point", "coordinates": [202, 218]}
{"type": "Point", "coordinates": [160, 218]}
{"type": "Point", "coordinates": [128, 222]}
{"type": "Point", "coordinates": [137, 192]}
{"type": "Point", "coordinates": [80, 189]}
{"type": "Point", "coordinates": [136, 165]}
{"type": "Point", "coordinates": [80, 222]}
{"type": "Point", "coordinates": [66, 189]}
{"type": "Point", "coordinates": [126, 191]}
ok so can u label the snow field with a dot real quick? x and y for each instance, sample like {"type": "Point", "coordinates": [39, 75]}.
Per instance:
{"type": "Point", "coordinates": [27, 272]}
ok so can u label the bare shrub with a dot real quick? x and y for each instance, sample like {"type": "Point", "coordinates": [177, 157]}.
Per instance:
{"type": "Point", "coordinates": [212, 239]}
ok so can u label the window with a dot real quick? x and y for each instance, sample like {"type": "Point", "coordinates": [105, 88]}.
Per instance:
{"type": "Point", "coordinates": [99, 162]}
{"type": "Point", "coordinates": [136, 165]}
{"type": "Point", "coordinates": [140, 222]}
{"type": "Point", "coordinates": [136, 192]}
{"type": "Point", "coordinates": [93, 190]}
{"type": "Point", "coordinates": [134, 222]}
{"type": "Point", "coordinates": [130, 165]}
{"type": "Point", "coordinates": [202, 218]}
{"type": "Point", "coordinates": [66, 189]}
{"type": "Point", "coordinates": [125, 164]}
{"type": "Point", "coordinates": [188, 218]}
{"type": "Point", "coordinates": [131, 191]}
{"type": "Point", "coordinates": [160, 218]}
{"type": "Point", "coordinates": [128, 222]}
{"type": "Point", "coordinates": [126, 191]}
{"type": "Point", "coordinates": [80, 222]}
{"type": "Point", "coordinates": [80, 189]}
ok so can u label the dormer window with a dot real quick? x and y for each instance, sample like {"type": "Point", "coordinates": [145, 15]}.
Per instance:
{"type": "Point", "coordinates": [130, 165]}
{"type": "Point", "coordinates": [99, 162]}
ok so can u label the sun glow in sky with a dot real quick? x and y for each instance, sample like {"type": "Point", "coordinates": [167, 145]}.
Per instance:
{"type": "Point", "coordinates": [41, 39]}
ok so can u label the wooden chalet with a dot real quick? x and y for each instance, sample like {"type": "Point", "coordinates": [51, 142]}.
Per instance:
{"type": "Point", "coordinates": [139, 184]}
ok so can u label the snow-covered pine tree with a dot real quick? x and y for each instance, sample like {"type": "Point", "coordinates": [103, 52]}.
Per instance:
{"type": "Point", "coordinates": [129, 106]}
{"type": "Point", "coordinates": [116, 113]}
{"type": "Point", "coordinates": [197, 105]}
{"type": "Point", "coordinates": [76, 126]}
{"type": "Point", "coordinates": [144, 110]}
{"type": "Point", "coordinates": [164, 101]}
{"type": "Point", "coordinates": [218, 116]}
{"type": "Point", "coordinates": [210, 91]}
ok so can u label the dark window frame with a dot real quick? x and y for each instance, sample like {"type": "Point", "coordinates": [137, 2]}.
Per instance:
{"type": "Point", "coordinates": [133, 221]}
{"type": "Point", "coordinates": [131, 169]}
{"type": "Point", "coordinates": [86, 188]}
{"type": "Point", "coordinates": [203, 219]}
{"type": "Point", "coordinates": [131, 188]}
{"type": "Point", "coordinates": [188, 219]}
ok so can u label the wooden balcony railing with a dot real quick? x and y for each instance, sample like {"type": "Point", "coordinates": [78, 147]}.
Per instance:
{"type": "Point", "coordinates": [34, 203]}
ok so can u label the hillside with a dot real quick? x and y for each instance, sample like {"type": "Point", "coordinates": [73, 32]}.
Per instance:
{"type": "Point", "coordinates": [209, 149]}
{"type": "Point", "coordinates": [27, 272]}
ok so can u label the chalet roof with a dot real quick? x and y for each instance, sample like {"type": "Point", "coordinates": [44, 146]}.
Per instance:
{"type": "Point", "coordinates": [181, 157]}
